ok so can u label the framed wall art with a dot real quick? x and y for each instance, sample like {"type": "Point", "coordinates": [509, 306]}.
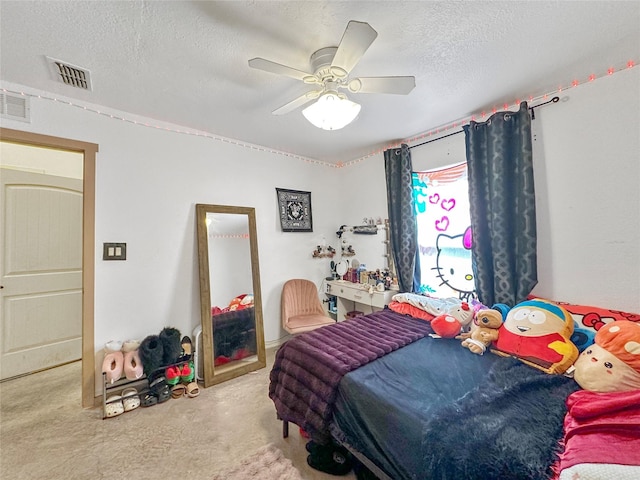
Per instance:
{"type": "Point", "coordinates": [294, 208]}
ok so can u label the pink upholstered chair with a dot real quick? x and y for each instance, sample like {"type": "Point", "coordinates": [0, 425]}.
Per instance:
{"type": "Point", "coordinates": [301, 309]}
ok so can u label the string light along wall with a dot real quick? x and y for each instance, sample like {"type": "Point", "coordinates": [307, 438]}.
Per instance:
{"type": "Point", "coordinates": [244, 236]}
{"type": "Point", "coordinates": [194, 133]}
{"type": "Point", "coordinates": [455, 125]}
{"type": "Point", "coordinates": [429, 134]}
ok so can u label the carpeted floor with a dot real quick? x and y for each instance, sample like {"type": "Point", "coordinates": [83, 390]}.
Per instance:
{"type": "Point", "coordinates": [45, 434]}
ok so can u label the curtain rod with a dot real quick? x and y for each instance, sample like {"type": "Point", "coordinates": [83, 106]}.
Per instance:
{"type": "Point", "coordinates": [533, 117]}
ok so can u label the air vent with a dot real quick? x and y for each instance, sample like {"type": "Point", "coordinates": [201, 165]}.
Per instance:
{"type": "Point", "coordinates": [70, 74]}
{"type": "Point", "coordinates": [15, 107]}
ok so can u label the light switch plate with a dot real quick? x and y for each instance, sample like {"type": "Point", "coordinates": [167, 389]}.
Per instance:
{"type": "Point", "coordinates": [114, 251]}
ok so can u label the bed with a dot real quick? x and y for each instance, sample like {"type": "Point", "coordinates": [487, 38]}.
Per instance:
{"type": "Point", "coordinates": [410, 406]}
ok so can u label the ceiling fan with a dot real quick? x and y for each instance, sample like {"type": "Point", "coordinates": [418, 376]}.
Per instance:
{"type": "Point", "coordinates": [331, 67]}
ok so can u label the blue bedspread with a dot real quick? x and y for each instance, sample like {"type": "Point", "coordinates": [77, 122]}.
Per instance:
{"type": "Point", "coordinates": [434, 410]}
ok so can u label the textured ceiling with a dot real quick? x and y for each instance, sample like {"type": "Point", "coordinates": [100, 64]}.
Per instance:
{"type": "Point", "coordinates": [185, 62]}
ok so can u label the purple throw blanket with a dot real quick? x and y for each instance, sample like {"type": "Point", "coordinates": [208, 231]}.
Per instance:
{"type": "Point", "coordinates": [308, 368]}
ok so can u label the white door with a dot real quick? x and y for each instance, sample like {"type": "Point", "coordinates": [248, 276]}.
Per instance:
{"type": "Point", "coordinates": [41, 271]}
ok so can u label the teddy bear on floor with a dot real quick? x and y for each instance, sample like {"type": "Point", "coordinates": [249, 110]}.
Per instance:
{"type": "Point", "coordinates": [483, 332]}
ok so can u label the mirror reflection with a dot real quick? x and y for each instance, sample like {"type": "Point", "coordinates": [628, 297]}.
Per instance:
{"type": "Point", "coordinates": [232, 331]}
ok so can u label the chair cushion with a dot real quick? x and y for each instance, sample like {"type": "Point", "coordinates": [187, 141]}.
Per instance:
{"type": "Point", "coordinates": [303, 323]}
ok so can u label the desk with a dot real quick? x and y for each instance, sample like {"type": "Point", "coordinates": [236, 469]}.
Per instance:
{"type": "Point", "coordinates": [355, 296]}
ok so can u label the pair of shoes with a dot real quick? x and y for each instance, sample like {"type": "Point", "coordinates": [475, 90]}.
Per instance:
{"type": "Point", "coordinates": [113, 406]}
{"type": "Point", "coordinates": [182, 379]}
{"type": "Point", "coordinates": [159, 392]}
{"type": "Point", "coordinates": [180, 373]}
{"type": "Point", "coordinates": [158, 351]}
{"type": "Point", "coordinates": [187, 349]}
{"type": "Point", "coordinates": [125, 402]}
{"type": "Point", "coordinates": [130, 399]}
{"type": "Point", "coordinates": [122, 358]}
{"type": "Point", "coordinates": [132, 362]}
{"type": "Point", "coordinates": [190, 390]}
{"type": "Point", "coordinates": [179, 390]}
{"type": "Point", "coordinates": [331, 458]}
{"type": "Point", "coordinates": [193, 390]}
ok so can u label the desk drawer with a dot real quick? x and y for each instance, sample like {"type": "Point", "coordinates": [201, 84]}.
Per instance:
{"type": "Point", "coordinates": [356, 293]}
{"type": "Point", "coordinates": [349, 292]}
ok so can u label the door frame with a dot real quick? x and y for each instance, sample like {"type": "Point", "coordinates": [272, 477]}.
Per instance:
{"type": "Point", "coordinates": [89, 151]}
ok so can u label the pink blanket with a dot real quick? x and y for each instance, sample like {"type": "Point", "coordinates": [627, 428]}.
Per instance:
{"type": "Point", "coordinates": [602, 428]}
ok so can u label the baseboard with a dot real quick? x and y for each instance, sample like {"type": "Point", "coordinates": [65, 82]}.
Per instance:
{"type": "Point", "coordinates": [276, 343]}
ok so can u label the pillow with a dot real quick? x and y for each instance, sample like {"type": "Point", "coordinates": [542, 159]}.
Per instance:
{"type": "Point", "coordinates": [433, 305]}
{"type": "Point", "coordinates": [612, 364]}
{"type": "Point", "coordinates": [538, 332]}
{"type": "Point", "coordinates": [408, 309]}
{"type": "Point", "coordinates": [588, 320]}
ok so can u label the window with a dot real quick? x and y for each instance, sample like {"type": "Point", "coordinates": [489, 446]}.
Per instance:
{"type": "Point", "coordinates": [444, 232]}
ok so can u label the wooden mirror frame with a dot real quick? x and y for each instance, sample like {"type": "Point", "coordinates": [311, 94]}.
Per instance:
{"type": "Point", "coordinates": [213, 374]}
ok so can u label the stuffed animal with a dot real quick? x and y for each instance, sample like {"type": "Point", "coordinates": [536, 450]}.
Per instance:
{"type": "Point", "coordinates": [483, 332]}
{"type": "Point", "coordinates": [601, 426]}
{"type": "Point", "coordinates": [538, 332]}
{"type": "Point", "coordinates": [612, 363]}
{"type": "Point", "coordinates": [445, 326]}
{"type": "Point", "coordinates": [448, 325]}
{"type": "Point", "coordinates": [241, 302]}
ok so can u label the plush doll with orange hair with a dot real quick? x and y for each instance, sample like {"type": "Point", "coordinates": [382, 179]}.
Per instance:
{"type": "Point", "coordinates": [612, 363]}
{"type": "Point", "coordinates": [241, 302]}
{"type": "Point", "coordinates": [602, 424]}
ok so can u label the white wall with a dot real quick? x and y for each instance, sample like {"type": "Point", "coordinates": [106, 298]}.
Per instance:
{"type": "Point", "coordinates": [587, 164]}
{"type": "Point", "coordinates": [363, 190]}
{"type": "Point", "coordinates": [46, 161]}
{"type": "Point", "coordinates": [587, 174]}
{"type": "Point", "coordinates": [149, 180]}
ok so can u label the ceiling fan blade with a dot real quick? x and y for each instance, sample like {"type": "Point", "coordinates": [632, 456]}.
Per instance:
{"type": "Point", "coordinates": [298, 102]}
{"type": "Point", "coordinates": [394, 85]}
{"type": "Point", "coordinates": [356, 39]}
{"type": "Point", "coordinates": [273, 67]}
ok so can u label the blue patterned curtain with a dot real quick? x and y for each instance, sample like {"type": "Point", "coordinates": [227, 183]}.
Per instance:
{"type": "Point", "coordinates": [402, 218]}
{"type": "Point", "coordinates": [502, 204]}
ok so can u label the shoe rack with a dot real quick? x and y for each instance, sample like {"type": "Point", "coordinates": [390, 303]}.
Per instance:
{"type": "Point", "coordinates": [140, 384]}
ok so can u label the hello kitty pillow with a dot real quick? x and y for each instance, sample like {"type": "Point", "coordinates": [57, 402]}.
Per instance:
{"type": "Point", "coordinates": [588, 320]}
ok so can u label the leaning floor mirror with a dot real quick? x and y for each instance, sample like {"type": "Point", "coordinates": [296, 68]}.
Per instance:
{"type": "Point", "coordinates": [230, 297]}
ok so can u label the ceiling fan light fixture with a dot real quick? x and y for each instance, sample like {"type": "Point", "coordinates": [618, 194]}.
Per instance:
{"type": "Point", "coordinates": [332, 112]}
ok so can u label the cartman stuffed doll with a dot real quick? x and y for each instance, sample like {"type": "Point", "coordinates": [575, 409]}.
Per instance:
{"type": "Point", "coordinates": [538, 332]}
